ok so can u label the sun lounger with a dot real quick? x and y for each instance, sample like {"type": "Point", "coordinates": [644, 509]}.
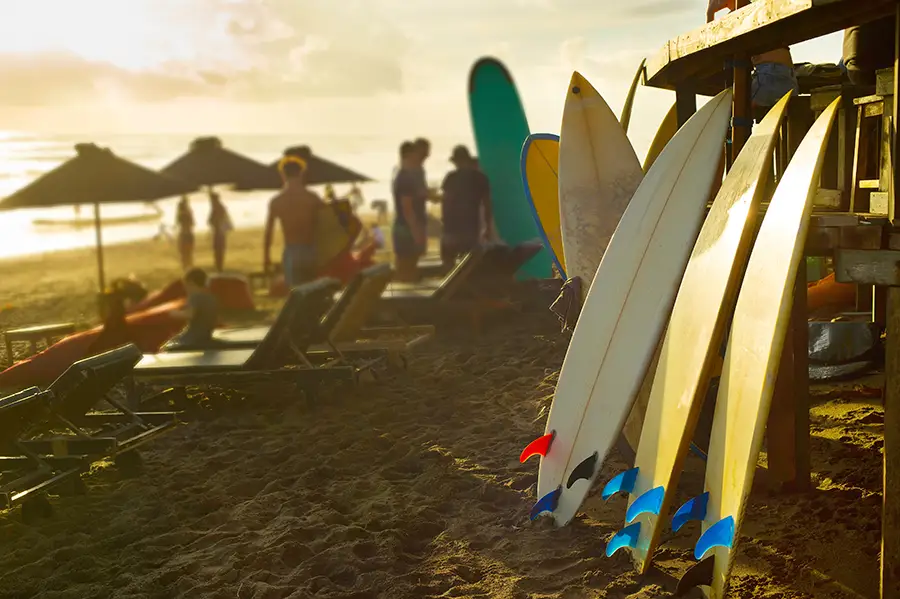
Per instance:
{"type": "Point", "coordinates": [280, 357]}
{"type": "Point", "coordinates": [341, 333]}
{"type": "Point", "coordinates": [472, 290]}
{"type": "Point", "coordinates": [25, 476]}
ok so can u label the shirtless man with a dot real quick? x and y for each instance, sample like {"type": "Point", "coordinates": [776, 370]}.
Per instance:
{"type": "Point", "coordinates": [296, 208]}
{"type": "Point", "coordinates": [773, 71]}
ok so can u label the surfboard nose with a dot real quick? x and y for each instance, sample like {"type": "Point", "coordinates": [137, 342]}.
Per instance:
{"type": "Point", "coordinates": [578, 84]}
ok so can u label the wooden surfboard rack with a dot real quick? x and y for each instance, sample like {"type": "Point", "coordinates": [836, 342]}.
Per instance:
{"type": "Point", "coordinates": [854, 222]}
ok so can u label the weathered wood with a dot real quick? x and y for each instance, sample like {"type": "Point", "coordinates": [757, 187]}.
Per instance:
{"type": "Point", "coordinates": [867, 267]}
{"type": "Point", "coordinates": [880, 202]}
{"type": "Point", "coordinates": [823, 241]}
{"type": "Point", "coordinates": [884, 82]}
{"type": "Point", "coordinates": [787, 430]}
{"type": "Point", "coordinates": [890, 516]}
{"type": "Point", "coordinates": [764, 25]}
{"type": "Point", "coordinates": [828, 198]}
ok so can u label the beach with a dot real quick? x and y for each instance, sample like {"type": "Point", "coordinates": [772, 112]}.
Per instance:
{"type": "Point", "coordinates": [409, 486]}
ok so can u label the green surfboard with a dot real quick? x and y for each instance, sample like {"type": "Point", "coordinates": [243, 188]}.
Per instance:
{"type": "Point", "coordinates": [500, 128]}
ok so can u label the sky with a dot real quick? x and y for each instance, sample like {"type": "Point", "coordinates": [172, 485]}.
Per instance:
{"type": "Point", "coordinates": [354, 67]}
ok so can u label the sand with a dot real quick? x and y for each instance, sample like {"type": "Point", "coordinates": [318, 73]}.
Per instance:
{"type": "Point", "coordinates": [405, 487]}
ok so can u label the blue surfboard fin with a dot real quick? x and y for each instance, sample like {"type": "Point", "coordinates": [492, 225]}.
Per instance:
{"type": "Point", "coordinates": [698, 575]}
{"type": "Point", "coordinates": [693, 509]}
{"type": "Point", "coordinates": [547, 503]}
{"type": "Point", "coordinates": [627, 537]}
{"type": "Point", "coordinates": [698, 452]}
{"type": "Point", "coordinates": [583, 470]}
{"type": "Point", "coordinates": [720, 534]}
{"type": "Point", "coordinates": [648, 503]}
{"type": "Point", "coordinates": [622, 482]}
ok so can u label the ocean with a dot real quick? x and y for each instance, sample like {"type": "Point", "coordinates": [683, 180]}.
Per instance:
{"type": "Point", "coordinates": [25, 156]}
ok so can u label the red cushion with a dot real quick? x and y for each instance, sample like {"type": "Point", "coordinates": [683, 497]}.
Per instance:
{"type": "Point", "coordinates": [232, 292]}
{"type": "Point", "coordinates": [148, 330]}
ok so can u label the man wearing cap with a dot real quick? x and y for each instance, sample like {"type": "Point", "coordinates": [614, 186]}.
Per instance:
{"type": "Point", "coordinates": [466, 192]}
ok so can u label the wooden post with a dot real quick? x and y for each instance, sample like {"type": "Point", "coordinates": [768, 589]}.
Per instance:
{"type": "Point", "coordinates": [890, 515]}
{"type": "Point", "coordinates": [685, 103]}
{"type": "Point", "coordinates": [742, 113]}
{"type": "Point", "coordinates": [890, 510]}
{"type": "Point", "coordinates": [788, 425]}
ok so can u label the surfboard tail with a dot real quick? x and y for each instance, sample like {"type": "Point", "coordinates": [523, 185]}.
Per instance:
{"type": "Point", "coordinates": [693, 510]}
{"type": "Point", "coordinates": [539, 446]}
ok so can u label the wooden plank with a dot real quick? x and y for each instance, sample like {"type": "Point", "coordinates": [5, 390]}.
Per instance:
{"type": "Point", "coordinates": [867, 267]}
{"type": "Point", "coordinates": [828, 198]}
{"type": "Point", "coordinates": [761, 26]}
{"type": "Point", "coordinates": [879, 202]}
{"type": "Point", "coordinates": [890, 515]}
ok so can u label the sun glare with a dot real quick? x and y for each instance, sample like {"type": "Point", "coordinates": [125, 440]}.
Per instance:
{"type": "Point", "coordinates": [130, 33]}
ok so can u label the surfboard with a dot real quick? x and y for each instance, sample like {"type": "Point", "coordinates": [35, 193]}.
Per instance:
{"type": "Point", "coordinates": [500, 128]}
{"type": "Point", "coordinates": [691, 346]}
{"type": "Point", "coordinates": [332, 237]}
{"type": "Point", "coordinates": [625, 119]}
{"type": "Point", "coordinates": [598, 175]}
{"type": "Point", "coordinates": [626, 310]}
{"type": "Point", "coordinates": [761, 321]}
{"type": "Point", "coordinates": [539, 164]}
{"type": "Point", "coordinates": [666, 130]}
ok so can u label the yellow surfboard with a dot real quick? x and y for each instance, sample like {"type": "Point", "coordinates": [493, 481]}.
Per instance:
{"type": "Point", "coordinates": [540, 162]}
{"type": "Point", "coordinates": [332, 237]}
{"type": "Point", "coordinates": [761, 321]}
{"type": "Point", "coordinates": [697, 326]}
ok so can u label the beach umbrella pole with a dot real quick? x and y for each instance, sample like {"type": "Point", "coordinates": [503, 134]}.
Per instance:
{"type": "Point", "coordinates": [99, 234]}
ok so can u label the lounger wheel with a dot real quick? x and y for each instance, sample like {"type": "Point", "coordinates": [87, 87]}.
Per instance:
{"type": "Point", "coordinates": [36, 508]}
{"type": "Point", "coordinates": [130, 463]}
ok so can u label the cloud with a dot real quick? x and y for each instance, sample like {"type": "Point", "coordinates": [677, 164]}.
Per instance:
{"type": "Point", "coordinates": [250, 50]}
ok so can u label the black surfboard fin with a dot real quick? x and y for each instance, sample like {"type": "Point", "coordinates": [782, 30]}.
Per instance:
{"type": "Point", "coordinates": [700, 574]}
{"type": "Point", "coordinates": [583, 470]}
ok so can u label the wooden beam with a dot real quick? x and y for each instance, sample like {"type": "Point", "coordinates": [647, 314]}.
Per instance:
{"type": "Point", "coordinates": [867, 267]}
{"type": "Point", "coordinates": [699, 55]}
{"type": "Point", "coordinates": [685, 104]}
{"type": "Point", "coordinates": [890, 514]}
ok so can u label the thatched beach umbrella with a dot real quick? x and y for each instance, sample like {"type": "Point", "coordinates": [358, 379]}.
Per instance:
{"type": "Point", "coordinates": [319, 171]}
{"type": "Point", "coordinates": [95, 176]}
{"type": "Point", "coordinates": [208, 163]}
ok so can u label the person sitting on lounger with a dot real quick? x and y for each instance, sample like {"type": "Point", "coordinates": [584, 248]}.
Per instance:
{"type": "Point", "coordinates": [201, 314]}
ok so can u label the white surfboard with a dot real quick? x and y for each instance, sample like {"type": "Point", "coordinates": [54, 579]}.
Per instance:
{"type": "Point", "coordinates": [627, 307]}
{"type": "Point", "coordinates": [598, 175]}
{"type": "Point", "coordinates": [761, 321]}
{"type": "Point", "coordinates": [692, 343]}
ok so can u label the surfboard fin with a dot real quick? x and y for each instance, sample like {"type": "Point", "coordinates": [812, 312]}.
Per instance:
{"type": "Point", "coordinates": [547, 503]}
{"type": "Point", "coordinates": [622, 482]}
{"type": "Point", "coordinates": [720, 534]}
{"type": "Point", "coordinates": [627, 537]}
{"type": "Point", "coordinates": [693, 509]}
{"type": "Point", "coordinates": [698, 575]}
{"type": "Point", "coordinates": [648, 503]}
{"type": "Point", "coordinates": [539, 446]}
{"type": "Point", "coordinates": [698, 452]}
{"type": "Point", "coordinates": [583, 470]}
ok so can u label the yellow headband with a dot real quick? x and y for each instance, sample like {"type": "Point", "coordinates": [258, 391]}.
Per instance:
{"type": "Point", "coordinates": [294, 159]}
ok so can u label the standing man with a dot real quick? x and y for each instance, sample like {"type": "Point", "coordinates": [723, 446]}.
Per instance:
{"type": "Point", "coordinates": [296, 208]}
{"type": "Point", "coordinates": [409, 213]}
{"type": "Point", "coordinates": [773, 71]}
{"type": "Point", "coordinates": [466, 192]}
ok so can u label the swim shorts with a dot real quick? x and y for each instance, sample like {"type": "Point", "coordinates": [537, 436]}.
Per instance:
{"type": "Point", "coordinates": [771, 81]}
